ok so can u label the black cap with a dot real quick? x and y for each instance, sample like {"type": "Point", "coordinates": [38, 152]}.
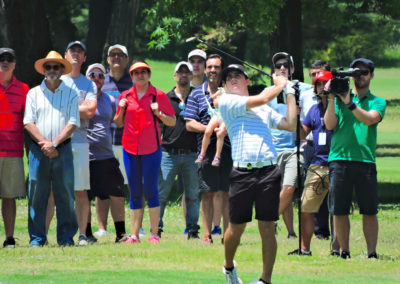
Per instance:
{"type": "Point", "coordinates": [281, 55]}
{"type": "Point", "coordinates": [7, 50]}
{"type": "Point", "coordinates": [233, 67]}
{"type": "Point", "coordinates": [366, 62]}
{"type": "Point", "coordinates": [77, 42]}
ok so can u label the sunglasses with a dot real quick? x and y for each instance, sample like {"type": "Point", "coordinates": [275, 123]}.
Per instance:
{"type": "Point", "coordinates": [7, 58]}
{"type": "Point", "coordinates": [119, 54]}
{"type": "Point", "coordinates": [48, 67]}
{"type": "Point", "coordinates": [182, 107]}
{"type": "Point", "coordinates": [96, 74]}
{"type": "Point", "coordinates": [279, 65]}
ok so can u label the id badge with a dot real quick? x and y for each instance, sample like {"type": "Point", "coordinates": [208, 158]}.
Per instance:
{"type": "Point", "coordinates": [322, 138]}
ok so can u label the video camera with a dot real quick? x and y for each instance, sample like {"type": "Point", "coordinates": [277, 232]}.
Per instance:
{"type": "Point", "coordinates": [340, 83]}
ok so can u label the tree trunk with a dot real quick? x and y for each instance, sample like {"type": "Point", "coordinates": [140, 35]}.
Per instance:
{"type": "Point", "coordinates": [288, 36]}
{"type": "Point", "coordinates": [29, 35]}
{"type": "Point", "coordinates": [3, 26]}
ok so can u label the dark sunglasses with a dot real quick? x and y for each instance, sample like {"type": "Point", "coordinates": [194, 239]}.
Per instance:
{"type": "Point", "coordinates": [96, 74]}
{"type": "Point", "coordinates": [119, 54]}
{"type": "Point", "coordinates": [279, 65]}
{"type": "Point", "coordinates": [7, 58]}
{"type": "Point", "coordinates": [182, 107]}
{"type": "Point", "coordinates": [48, 67]}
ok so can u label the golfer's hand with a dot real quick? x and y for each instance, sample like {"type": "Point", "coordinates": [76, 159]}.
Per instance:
{"type": "Point", "coordinates": [279, 81]}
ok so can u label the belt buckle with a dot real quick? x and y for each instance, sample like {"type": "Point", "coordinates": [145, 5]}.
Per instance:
{"type": "Point", "coordinates": [249, 166]}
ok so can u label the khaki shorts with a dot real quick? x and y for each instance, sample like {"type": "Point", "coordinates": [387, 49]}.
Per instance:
{"type": "Point", "coordinates": [80, 152]}
{"type": "Point", "coordinates": [119, 156]}
{"type": "Point", "coordinates": [287, 163]}
{"type": "Point", "coordinates": [316, 187]}
{"type": "Point", "coordinates": [12, 177]}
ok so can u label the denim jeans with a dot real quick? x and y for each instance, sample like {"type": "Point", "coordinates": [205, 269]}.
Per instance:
{"type": "Point", "coordinates": [171, 166]}
{"type": "Point", "coordinates": [47, 174]}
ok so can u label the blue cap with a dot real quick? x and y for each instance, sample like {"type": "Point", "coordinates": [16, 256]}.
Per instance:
{"type": "Point", "coordinates": [77, 42]}
{"type": "Point", "coordinates": [364, 61]}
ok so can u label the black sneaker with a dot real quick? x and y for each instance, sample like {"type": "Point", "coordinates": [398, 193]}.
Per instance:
{"type": "Point", "coordinates": [193, 235]}
{"type": "Point", "coordinates": [300, 252]}
{"type": "Point", "coordinates": [345, 254]}
{"type": "Point", "coordinates": [91, 239]}
{"type": "Point", "coordinates": [9, 243]}
{"type": "Point", "coordinates": [159, 232]}
{"type": "Point", "coordinates": [292, 235]}
{"type": "Point", "coordinates": [335, 253]}
{"type": "Point", "coordinates": [373, 255]}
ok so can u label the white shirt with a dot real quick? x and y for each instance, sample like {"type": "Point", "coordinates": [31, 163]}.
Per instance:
{"type": "Point", "coordinates": [249, 130]}
{"type": "Point", "coordinates": [51, 112]}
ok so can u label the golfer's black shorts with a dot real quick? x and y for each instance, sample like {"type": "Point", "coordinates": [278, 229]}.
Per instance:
{"type": "Point", "coordinates": [212, 179]}
{"type": "Point", "coordinates": [105, 179]}
{"type": "Point", "coordinates": [257, 186]}
{"type": "Point", "coordinates": [346, 175]}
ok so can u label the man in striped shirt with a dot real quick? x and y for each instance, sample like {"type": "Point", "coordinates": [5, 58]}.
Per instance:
{"type": "Point", "coordinates": [255, 178]}
{"type": "Point", "coordinates": [51, 116]}
{"type": "Point", "coordinates": [12, 106]}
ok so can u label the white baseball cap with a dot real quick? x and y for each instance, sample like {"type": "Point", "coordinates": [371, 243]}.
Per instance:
{"type": "Point", "coordinates": [95, 65]}
{"type": "Point", "coordinates": [183, 63]}
{"type": "Point", "coordinates": [121, 47]}
{"type": "Point", "coordinates": [197, 52]}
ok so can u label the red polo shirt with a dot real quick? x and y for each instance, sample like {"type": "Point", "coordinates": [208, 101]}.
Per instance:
{"type": "Point", "coordinates": [12, 107]}
{"type": "Point", "coordinates": [139, 136]}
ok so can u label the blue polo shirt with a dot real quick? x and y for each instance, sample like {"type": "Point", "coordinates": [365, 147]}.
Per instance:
{"type": "Point", "coordinates": [315, 121]}
{"type": "Point", "coordinates": [114, 89]}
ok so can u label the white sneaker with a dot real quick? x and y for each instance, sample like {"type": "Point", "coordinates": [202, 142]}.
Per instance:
{"type": "Point", "coordinates": [83, 240]}
{"type": "Point", "coordinates": [231, 276]}
{"type": "Point", "coordinates": [101, 233]}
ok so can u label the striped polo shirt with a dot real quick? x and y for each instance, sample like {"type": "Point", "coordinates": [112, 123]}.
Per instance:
{"type": "Point", "coordinates": [249, 130]}
{"type": "Point", "coordinates": [12, 106]}
{"type": "Point", "coordinates": [51, 112]}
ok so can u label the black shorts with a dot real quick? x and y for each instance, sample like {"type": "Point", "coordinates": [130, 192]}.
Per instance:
{"type": "Point", "coordinates": [212, 179]}
{"type": "Point", "coordinates": [346, 175]}
{"type": "Point", "coordinates": [105, 179]}
{"type": "Point", "coordinates": [257, 186]}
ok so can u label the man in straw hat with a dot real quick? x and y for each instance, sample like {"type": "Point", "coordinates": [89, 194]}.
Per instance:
{"type": "Point", "coordinates": [51, 116]}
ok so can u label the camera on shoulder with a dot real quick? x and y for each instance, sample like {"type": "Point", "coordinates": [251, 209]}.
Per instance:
{"type": "Point", "coordinates": [340, 83]}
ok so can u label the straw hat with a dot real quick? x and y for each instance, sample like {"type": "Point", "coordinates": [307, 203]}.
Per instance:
{"type": "Point", "coordinates": [53, 56]}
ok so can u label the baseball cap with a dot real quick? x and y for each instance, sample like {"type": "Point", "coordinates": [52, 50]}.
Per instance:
{"type": "Point", "coordinates": [183, 63]}
{"type": "Point", "coordinates": [322, 76]}
{"type": "Point", "coordinates": [197, 52]}
{"type": "Point", "coordinates": [77, 42]}
{"type": "Point", "coordinates": [281, 55]}
{"type": "Point", "coordinates": [95, 65]}
{"type": "Point", "coordinates": [366, 62]}
{"type": "Point", "coordinates": [7, 50]}
{"type": "Point", "coordinates": [121, 47]}
{"type": "Point", "coordinates": [233, 67]}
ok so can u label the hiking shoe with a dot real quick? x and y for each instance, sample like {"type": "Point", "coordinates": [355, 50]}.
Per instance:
{"type": "Point", "coordinates": [91, 239]}
{"type": "Point", "coordinates": [101, 233]}
{"type": "Point", "coordinates": [193, 235]}
{"type": "Point", "coordinates": [216, 230]}
{"type": "Point", "coordinates": [373, 255]}
{"type": "Point", "coordinates": [345, 254]}
{"type": "Point", "coordinates": [132, 240]}
{"type": "Point", "coordinates": [207, 240]}
{"type": "Point", "coordinates": [83, 240]}
{"type": "Point", "coordinates": [335, 253]}
{"type": "Point", "coordinates": [231, 276]}
{"type": "Point", "coordinates": [154, 239]}
{"type": "Point", "coordinates": [292, 235]}
{"type": "Point", "coordinates": [200, 159]}
{"type": "Point", "coordinates": [122, 238]}
{"type": "Point", "coordinates": [142, 232]}
{"type": "Point", "coordinates": [9, 242]}
{"type": "Point", "coordinates": [300, 252]}
{"type": "Point", "coordinates": [216, 162]}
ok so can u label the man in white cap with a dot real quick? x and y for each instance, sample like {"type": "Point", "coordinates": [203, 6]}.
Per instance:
{"type": "Point", "coordinates": [12, 106]}
{"type": "Point", "coordinates": [51, 116]}
{"type": "Point", "coordinates": [179, 153]}
{"type": "Point", "coordinates": [197, 59]}
{"type": "Point", "coordinates": [116, 81]}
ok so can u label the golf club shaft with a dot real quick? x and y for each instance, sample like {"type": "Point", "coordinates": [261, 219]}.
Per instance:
{"type": "Point", "coordinates": [230, 55]}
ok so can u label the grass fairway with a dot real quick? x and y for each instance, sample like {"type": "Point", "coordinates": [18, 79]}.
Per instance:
{"type": "Point", "coordinates": [177, 260]}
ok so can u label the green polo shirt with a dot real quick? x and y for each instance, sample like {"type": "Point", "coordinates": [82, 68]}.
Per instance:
{"type": "Point", "coordinates": [352, 140]}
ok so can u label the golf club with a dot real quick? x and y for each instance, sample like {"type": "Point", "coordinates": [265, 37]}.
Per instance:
{"type": "Point", "coordinates": [227, 54]}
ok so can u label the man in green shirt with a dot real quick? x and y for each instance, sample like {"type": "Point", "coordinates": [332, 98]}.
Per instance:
{"type": "Point", "coordinates": [354, 117]}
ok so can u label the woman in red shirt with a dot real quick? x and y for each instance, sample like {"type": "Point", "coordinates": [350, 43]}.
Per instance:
{"type": "Point", "coordinates": [139, 110]}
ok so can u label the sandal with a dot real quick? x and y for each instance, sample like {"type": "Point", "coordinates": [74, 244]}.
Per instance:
{"type": "Point", "coordinates": [216, 162]}
{"type": "Point", "coordinates": [200, 159]}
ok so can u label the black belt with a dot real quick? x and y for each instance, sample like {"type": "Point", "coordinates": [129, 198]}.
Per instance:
{"type": "Point", "coordinates": [65, 142]}
{"type": "Point", "coordinates": [177, 151]}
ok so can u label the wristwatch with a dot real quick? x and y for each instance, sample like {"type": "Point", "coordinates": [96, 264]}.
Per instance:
{"type": "Point", "coordinates": [55, 144]}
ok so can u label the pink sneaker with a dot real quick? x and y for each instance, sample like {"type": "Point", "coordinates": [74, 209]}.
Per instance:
{"type": "Point", "coordinates": [154, 239]}
{"type": "Point", "coordinates": [132, 240]}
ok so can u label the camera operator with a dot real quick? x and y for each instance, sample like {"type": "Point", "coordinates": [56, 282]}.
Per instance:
{"type": "Point", "coordinates": [354, 117]}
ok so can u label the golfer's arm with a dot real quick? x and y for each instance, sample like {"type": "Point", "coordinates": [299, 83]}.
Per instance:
{"type": "Point", "coordinates": [264, 97]}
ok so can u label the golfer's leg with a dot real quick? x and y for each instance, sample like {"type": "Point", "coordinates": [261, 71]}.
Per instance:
{"type": "Point", "coordinates": [269, 247]}
{"type": "Point", "coordinates": [231, 242]}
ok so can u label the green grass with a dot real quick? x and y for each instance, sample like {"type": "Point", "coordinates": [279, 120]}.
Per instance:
{"type": "Point", "coordinates": [177, 260]}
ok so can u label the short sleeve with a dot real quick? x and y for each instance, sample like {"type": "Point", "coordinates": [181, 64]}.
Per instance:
{"type": "Point", "coordinates": [192, 107]}
{"type": "Point", "coordinates": [164, 104]}
{"type": "Point", "coordinates": [30, 107]}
